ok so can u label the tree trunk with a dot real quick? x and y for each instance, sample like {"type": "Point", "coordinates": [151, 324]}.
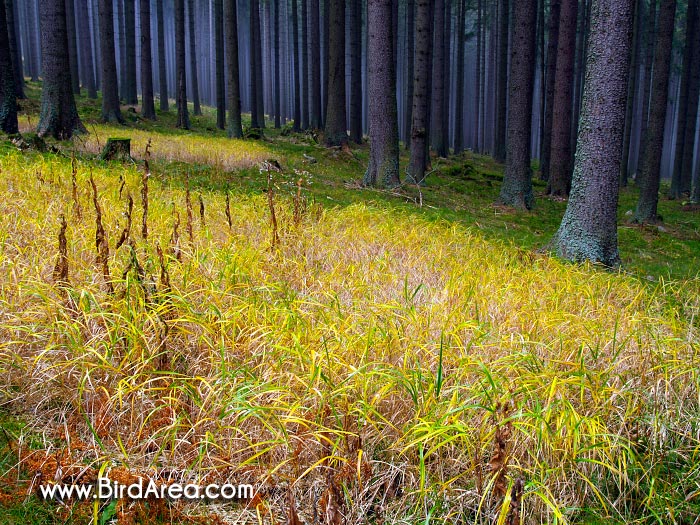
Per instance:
{"type": "Point", "coordinates": [561, 160]}
{"type": "Point", "coordinates": [148, 109]}
{"type": "Point", "coordinates": [446, 75]}
{"type": "Point", "coordinates": [588, 230]}
{"type": "Point", "coordinates": [72, 47]}
{"type": "Point", "coordinates": [383, 114]}
{"type": "Point", "coordinates": [631, 92]}
{"type": "Point", "coordinates": [219, 53]}
{"type": "Point", "coordinates": [336, 118]}
{"type": "Point", "coordinates": [8, 97]}
{"type": "Point", "coordinates": [278, 79]}
{"type": "Point", "coordinates": [652, 20]}
{"type": "Point", "coordinates": [459, 91]}
{"type": "Point", "coordinates": [233, 93]}
{"type": "Point", "coordinates": [130, 93]}
{"type": "Point", "coordinates": [183, 117]}
{"type": "Point", "coordinates": [326, 56]}
{"type": "Point", "coordinates": [259, 66]}
{"type": "Point", "coordinates": [502, 82]}
{"type": "Point", "coordinates": [477, 100]}
{"type": "Point", "coordinates": [691, 123]}
{"type": "Point", "coordinates": [32, 39]}
{"type": "Point", "coordinates": [651, 162]}
{"type": "Point", "coordinates": [516, 189]}
{"type": "Point", "coordinates": [550, 77]}
{"type": "Point", "coordinates": [297, 69]}
{"type": "Point", "coordinates": [15, 48]}
{"type": "Point", "coordinates": [355, 21]}
{"type": "Point", "coordinates": [87, 63]}
{"type": "Point", "coordinates": [684, 102]}
{"type": "Point", "coordinates": [59, 115]}
{"type": "Point", "coordinates": [315, 49]}
{"type": "Point", "coordinates": [304, 65]}
{"type": "Point", "coordinates": [418, 162]}
{"type": "Point", "coordinates": [110, 87]}
{"type": "Point", "coordinates": [410, 57]}
{"type": "Point", "coordinates": [192, 19]}
{"type": "Point", "coordinates": [162, 60]}
{"type": "Point", "coordinates": [121, 34]}
{"type": "Point", "coordinates": [437, 115]}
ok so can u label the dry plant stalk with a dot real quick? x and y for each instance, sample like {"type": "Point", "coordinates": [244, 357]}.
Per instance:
{"type": "Point", "coordinates": [122, 183]}
{"type": "Point", "coordinates": [164, 275]}
{"type": "Point", "coordinates": [77, 211]}
{"type": "Point", "coordinates": [298, 205]}
{"type": "Point", "coordinates": [175, 237]}
{"type": "Point", "coordinates": [188, 202]}
{"type": "Point", "coordinates": [60, 271]}
{"type": "Point", "coordinates": [516, 494]}
{"type": "Point", "coordinates": [126, 232]}
{"type": "Point", "coordinates": [271, 204]}
{"type": "Point", "coordinates": [144, 198]}
{"type": "Point", "coordinates": [202, 221]}
{"type": "Point", "coordinates": [292, 516]}
{"type": "Point", "coordinates": [228, 211]}
{"type": "Point", "coordinates": [499, 459]}
{"type": "Point", "coordinates": [101, 244]}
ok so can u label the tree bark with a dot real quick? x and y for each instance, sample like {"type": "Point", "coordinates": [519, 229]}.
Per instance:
{"type": "Point", "coordinates": [561, 160]}
{"type": "Point", "coordinates": [355, 21]}
{"type": "Point", "coordinates": [219, 54]}
{"type": "Point", "coordinates": [72, 47]}
{"type": "Point", "coordinates": [183, 117]}
{"type": "Point", "coordinates": [15, 48]}
{"type": "Point", "coordinates": [589, 228]}
{"type": "Point", "coordinates": [304, 65]}
{"type": "Point", "coordinates": [336, 117]}
{"type": "Point", "coordinates": [438, 105]}
{"type": "Point", "coordinates": [192, 19]}
{"type": "Point", "coordinates": [383, 114]}
{"type": "Point", "coordinates": [278, 78]}
{"type": "Point", "coordinates": [59, 115]}
{"type": "Point", "coordinates": [111, 111]}
{"type": "Point", "coordinates": [631, 92]}
{"type": "Point", "coordinates": [652, 21]}
{"type": "Point", "coordinates": [516, 189]}
{"type": "Point", "coordinates": [550, 78]}
{"type": "Point", "coordinates": [685, 112]}
{"type": "Point", "coordinates": [8, 96]}
{"type": "Point", "coordinates": [162, 61]}
{"type": "Point", "coordinates": [87, 64]}
{"type": "Point", "coordinates": [651, 163]}
{"type": "Point", "coordinates": [148, 109]}
{"type": "Point", "coordinates": [297, 68]}
{"type": "Point", "coordinates": [410, 56]}
{"type": "Point", "coordinates": [421, 77]}
{"type": "Point", "coordinates": [130, 93]}
{"type": "Point", "coordinates": [233, 93]}
{"type": "Point", "coordinates": [326, 57]}
{"type": "Point", "coordinates": [315, 49]}
{"type": "Point", "coordinates": [459, 90]}
{"type": "Point", "coordinates": [478, 100]}
{"type": "Point", "coordinates": [446, 75]}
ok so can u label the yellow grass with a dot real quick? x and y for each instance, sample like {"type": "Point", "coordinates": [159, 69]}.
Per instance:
{"type": "Point", "coordinates": [373, 348]}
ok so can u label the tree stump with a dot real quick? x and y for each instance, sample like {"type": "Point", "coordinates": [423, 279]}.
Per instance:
{"type": "Point", "coordinates": [117, 149]}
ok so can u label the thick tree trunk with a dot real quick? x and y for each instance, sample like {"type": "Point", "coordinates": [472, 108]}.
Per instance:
{"type": "Point", "coordinates": [459, 90]}
{"type": "Point", "coordinates": [257, 120]}
{"type": "Point", "coordinates": [651, 163]}
{"type": "Point", "coordinates": [304, 65]}
{"type": "Point", "coordinates": [59, 115]}
{"type": "Point", "coordinates": [278, 79]}
{"type": "Point", "coordinates": [438, 105]}
{"type": "Point", "coordinates": [685, 102]}
{"type": "Point", "coordinates": [550, 78]}
{"type": "Point", "coordinates": [162, 60]}
{"type": "Point", "coordinates": [219, 54]}
{"type": "Point", "coordinates": [478, 100]}
{"type": "Point", "coordinates": [72, 47]}
{"type": "Point", "coordinates": [691, 124]}
{"type": "Point", "coordinates": [148, 109]}
{"type": "Point", "coordinates": [32, 39]}
{"type": "Point", "coordinates": [355, 21]}
{"type": "Point", "coordinates": [259, 66]}
{"type": "Point", "coordinates": [561, 161]}
{"type": "Point", "coordinates": [297, 68]}
{"type": "Point", "coordinates": [233, 93]}
{"type": "Point", "coordinates": [192, 19]}
{"type": "Point", "coordinates": [130, 92]}
{"type": "Point", "coordinates": [418, 162]}
{"type": "Point", "coordinates": [110, 87]}
{"type": "Point", "coordinates": [408, 81]}
{"type": "Point", "coordinates": [15, 48]}
{"type": "Point", "coordinates": [183, 117]}
{"type": "Point", "coordinates": [315, 50]}
{"type": "Point", "coordinates": [336, 115]}
{"type": "Point", "coordinates": [502, 81]}
{"type": "Point", "coordinates": [326, 57]}
{"type": "Point", "coordinates": [8, 96]}
{"type": "Point", "coordinates": [383, 114]}
{"type": "Point", "coordinates": [589, 228]}
{"type": "Point", "coordinates": [446, 75]}
{"type": "Point", "coordinates": [516, 189]}
{"type": "Point", "coordinates": [652, 21]}
{"type": "Point", "coordinates": [121, 34]}
{"type": "Point", "coordinates": [631, 92]}
{"type": "Point", "coordinates": [87, 64]}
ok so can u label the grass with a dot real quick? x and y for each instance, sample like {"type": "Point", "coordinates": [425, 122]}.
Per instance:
{"type": "Point", "coordinates": [404, 363]}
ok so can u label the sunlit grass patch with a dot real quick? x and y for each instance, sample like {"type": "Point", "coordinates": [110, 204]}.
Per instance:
{"type": "Point", "coordinates": [405, 370]}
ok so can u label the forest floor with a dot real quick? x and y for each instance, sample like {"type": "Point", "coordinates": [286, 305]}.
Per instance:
{"type": "Point", "coordinates": [407, 356]}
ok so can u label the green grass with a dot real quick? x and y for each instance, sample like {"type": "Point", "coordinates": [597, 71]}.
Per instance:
{"type": "Point", "coordinates": [408, 355]}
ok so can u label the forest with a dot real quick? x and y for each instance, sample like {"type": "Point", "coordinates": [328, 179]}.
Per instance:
{"type": "Point", "coordinates": [334, 262]}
